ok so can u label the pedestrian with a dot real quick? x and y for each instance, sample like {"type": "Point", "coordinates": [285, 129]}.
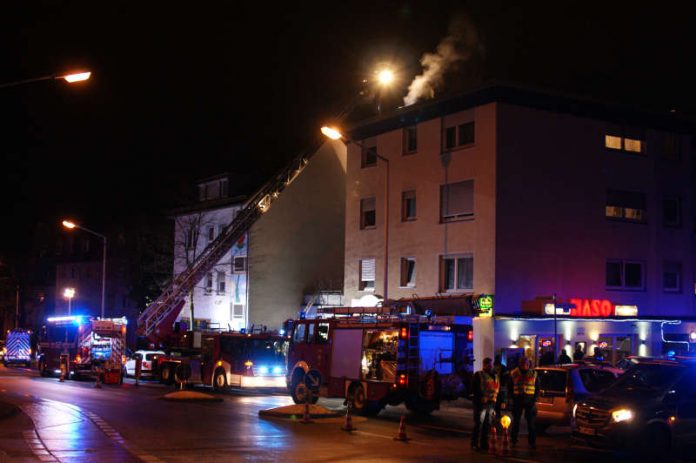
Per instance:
{"type": "Point", "coordinates": [578, 355]}
{"type": "Point", "coordinates": [564, 358]}
{"type": "Point", "coordinates": [486, 386]}
{"type": "Point", "coordinates": [525, 389]}
{"type": "Point", "coordinates": [503, 378]}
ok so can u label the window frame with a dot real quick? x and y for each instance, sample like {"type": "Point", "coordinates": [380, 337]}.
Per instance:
{"type": "Point", "coordinates": [405, 197]}
{"type": "Point", "coordinates": [363, 285]}
{"type": "Point", "coordinates": [679, 270]}
{"type": "Point", "coordinates": [404, 281]}
{"type": "Point", "coordinates": [623, 286]}
{"type": "Point", "coordinates": [221, 283]}
{"type": "Point", "coordinates": [235, 270]}
{"type": "Point", "coordinates": [457, 217]}
{"type": "Point", "coordinates": [621, 212]}
{"type": "Point", "coordinates": [365, 155]}
{"type": "Point", "coordinates": [442, 280]}
{"type": "Point", "coordinates": [363, 211]}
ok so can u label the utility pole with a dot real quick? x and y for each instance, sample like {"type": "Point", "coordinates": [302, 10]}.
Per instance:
{"type": "Point", "coordinates": [17, 307]}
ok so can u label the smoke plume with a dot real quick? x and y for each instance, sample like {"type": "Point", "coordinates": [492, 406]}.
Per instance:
{"type": "Point", "coordinates": [459, 45]}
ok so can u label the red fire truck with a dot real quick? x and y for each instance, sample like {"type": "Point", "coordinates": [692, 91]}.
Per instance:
{"type": "Point", "coordinates": [91, 344]}
{"type": "Point", "coordinates": [226, 359]}
{"type": "Point", "coordinates": [376, 357]}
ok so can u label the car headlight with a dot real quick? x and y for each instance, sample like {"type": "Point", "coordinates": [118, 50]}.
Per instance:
{"type": "Point", "coordinates": [263, 370]}
{"type": "Point", "coordinates": [277, 370]}
{"type": "Point", "coordinates": [621, 414]}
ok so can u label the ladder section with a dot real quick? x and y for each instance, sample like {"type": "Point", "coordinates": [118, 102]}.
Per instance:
{"type": "Point", "coordinates": [154, 320]}
{"type": "Point", "coordinates": [408, 357]}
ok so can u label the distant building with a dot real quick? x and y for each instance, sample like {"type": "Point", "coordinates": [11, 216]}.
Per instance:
{"type": "Point", "coordinates": [522, 195]}
{"type": "Point", "coordinates": [293, 250]}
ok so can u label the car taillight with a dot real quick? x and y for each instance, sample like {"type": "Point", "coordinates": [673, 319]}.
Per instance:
{"type": "Point", "coordinates": [470, 335]}
{"type": "Point", "coordinates": [403, 334]}
{"type": "Point", "coordinates": [402, 380]}
{"type": "Point", "coordinates": [78, 359]}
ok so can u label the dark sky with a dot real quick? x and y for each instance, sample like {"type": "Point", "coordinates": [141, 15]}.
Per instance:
{"type": "Point", "coordinates": [185, 89]}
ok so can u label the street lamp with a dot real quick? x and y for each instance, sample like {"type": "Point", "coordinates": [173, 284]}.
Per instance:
{"type": "Point", "coordinates": [335, 134]}
{"type": "Point", "coordinates": [69, 293]}
{"type": "Point", "coordinates": [69, 78]}
{"type": "Point", "coordinates": [385, 77]}
{"type": "Point", "coordinates": [70, 225]}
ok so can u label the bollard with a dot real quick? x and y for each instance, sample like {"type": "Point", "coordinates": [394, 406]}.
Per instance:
{"type": "Point", "coordinates": [401, 436]}
{"type": "Point", "coordinates": [492, 441]}
{"type": "Point", "coordinates": [348, 423]}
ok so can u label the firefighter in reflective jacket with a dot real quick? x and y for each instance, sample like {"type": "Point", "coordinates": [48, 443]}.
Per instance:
{"type": "Point", "coordinates": [486, 386]}
{"type": "Point", "coordinates": [525, 389]}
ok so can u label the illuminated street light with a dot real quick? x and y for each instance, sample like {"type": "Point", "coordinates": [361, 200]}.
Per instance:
{"type": "Point", "coordinates": [76, 77]}
{"type": "Point", "coordinates": [71, 225]}
{"type": "Point", "coordinates": [335, 134]}
{"type": "Point", "coordinates": [385, 77]}
{"type": "Point", "coordinates": [69, 293]}
{"type": "Point", "coordinates": [331, 132]}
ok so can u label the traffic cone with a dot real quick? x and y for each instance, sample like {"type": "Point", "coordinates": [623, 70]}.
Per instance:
{"type": "Point", "coordinates": [348, 423]}
{"type": "Point", "coordinates": [402, 430]}
{"type": "Point", "coordinates": [506, 442]}
{"type": "Point", "coordinates": [492, 440]}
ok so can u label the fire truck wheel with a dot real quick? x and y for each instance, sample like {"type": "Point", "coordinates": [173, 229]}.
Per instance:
{"type": "Point", "coordinates": [220, 380]}
{"type": "Point", "coordinates": [361, 404]}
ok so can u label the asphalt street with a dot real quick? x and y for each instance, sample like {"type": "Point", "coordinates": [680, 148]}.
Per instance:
{"type": "Point", "coordinates": [76, 422]}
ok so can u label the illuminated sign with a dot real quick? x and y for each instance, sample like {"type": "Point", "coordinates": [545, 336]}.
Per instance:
{"type": "Point", "coordinates": [485, 305]}
{"type": "Point", "coordinates": [591, 308]}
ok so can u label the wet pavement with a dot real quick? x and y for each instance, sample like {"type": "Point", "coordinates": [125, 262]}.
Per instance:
{"type": "Point", "coordinates": [74, 422]}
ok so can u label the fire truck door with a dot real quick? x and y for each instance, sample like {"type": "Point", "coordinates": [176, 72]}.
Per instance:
{"type": "Point", "coordinates": [318, 339]}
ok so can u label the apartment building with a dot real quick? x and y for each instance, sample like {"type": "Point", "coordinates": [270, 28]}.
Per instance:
{"type": "Point", "coordinates": [524, 195]}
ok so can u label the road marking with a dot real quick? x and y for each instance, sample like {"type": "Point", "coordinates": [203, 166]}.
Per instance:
{"type": "Point", "coordinates": [382, 436]}
{"type": "Point", "coordinates": [37, 446]}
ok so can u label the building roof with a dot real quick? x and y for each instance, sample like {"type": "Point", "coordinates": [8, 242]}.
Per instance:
{"type": "Point", "coordinates": [522, 96]}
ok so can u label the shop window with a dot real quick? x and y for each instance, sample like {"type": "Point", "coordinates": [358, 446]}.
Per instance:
{"type": "Point", "coordinates": [368, 214]}
{"type": "Point", "coordinates": [626, 205]}
{"type": "Point", "coordinates": [408, 272]}
{"type": "Point", "coordinates": [456, 201]}
{"type": "Point", "coordinates": [408, 205]}
{"type": "Point", "coordinates": [625, 275]}
{"type": "Point", "coordinates": [456, 273]}
{"type": "Point", "coordinates": [671, 277]}
{"type": "Point", "coordinates": [367, 275]}
{"type": "Point", "coordinates": [369, 156]}
{"type": "Point", "coordinates": [671, 212]}
{"type": "Point", "coordinates": [410, 140]}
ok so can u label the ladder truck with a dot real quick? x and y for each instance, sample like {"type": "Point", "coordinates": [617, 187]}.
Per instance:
{"type": "Point", "coordinates": [379, 356]}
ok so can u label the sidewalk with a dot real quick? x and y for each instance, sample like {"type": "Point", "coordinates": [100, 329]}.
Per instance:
{"type": "Point", "coordinates": [13, 445]}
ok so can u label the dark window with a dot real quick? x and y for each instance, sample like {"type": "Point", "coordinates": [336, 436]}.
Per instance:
{"type": "Point", "coordinates": [552, 381]}
{"type": "Point", "coordinates": [671, 212]}
{"type": "Point", "coordinates": [671, 277]}
{"type": "Point", "coordinates": [625, 275]}
{"type": "Point", "coordinates": [410, 140]}
{"type": "Point", "coordinates": [450, 138]}
{"type": "Point", "coordinates": [369, 156]}
{"type": "Point", "coordinates": [408, 208]}
{"type": "Point", "coordinates": [456, 273]}
{"type": "Point", "coordinates": [211, 234]}
{"type": "Point", "coordinates": [466, 134]}
{"type": "Point", "coordinates": [408, 272]}
{"type": "Point", "coordinates": [627, 205]}
{"type": "Point", "coordinates": [368, 215]}
{"type": "Point", "coordinates": [310, 333]}
{"type": "Point", "coordinates": [456, 201]}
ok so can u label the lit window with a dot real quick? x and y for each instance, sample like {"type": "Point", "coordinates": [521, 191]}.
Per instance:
{"type": "Point", "coordinates": [671, 277]}
{"type": "Point", "coordinates": [625, 275]}
{"type": "Point", "coordinates": [456, 201]}
{"type": "Point", "coordinates": [367, 275]}
{"type": "Point", "coordinates": [368, 215]}
{"type": "Point", "coordinates": [627, 205]}
{"type": "Point", "coordinates": [408, 272]}
{"type": "Point", "coordinates": [634, 146]}
{"type": "Point", "coordinates": [408, 205]}
{"type": "Point", "coordinates": [612, 142]}
{"type": "Point", "coordinates": [456, 273]}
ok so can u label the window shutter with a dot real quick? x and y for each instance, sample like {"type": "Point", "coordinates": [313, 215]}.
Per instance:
{"type": "Point", "coordinates": [367, 270]}
{"type": "Point", "coordinates": [458, 199]}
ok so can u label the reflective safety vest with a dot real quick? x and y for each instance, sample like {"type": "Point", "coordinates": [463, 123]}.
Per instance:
{"type": "Point", "coordinates": [523, 383]}
{"type": "Point", "coordinates": [490, 385]}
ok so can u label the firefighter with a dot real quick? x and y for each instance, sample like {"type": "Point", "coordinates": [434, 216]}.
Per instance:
{"type": "Point", "coordinates": [486, 386]}
{"type": "Point", "coordinates": [504, 379]}
{"type": "Point", "coordinates": [525, 389]}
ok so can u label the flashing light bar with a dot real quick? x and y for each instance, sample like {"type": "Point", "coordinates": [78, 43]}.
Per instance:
{"type": "Point", "coordinates": [72, 318]}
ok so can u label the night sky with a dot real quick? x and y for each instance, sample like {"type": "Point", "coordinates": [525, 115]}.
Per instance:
{"type": "Point", "coordinates": [182, 90]}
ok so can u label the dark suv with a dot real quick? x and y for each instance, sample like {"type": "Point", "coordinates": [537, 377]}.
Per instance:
{"type": "Point", "coordinates": [651, 407]}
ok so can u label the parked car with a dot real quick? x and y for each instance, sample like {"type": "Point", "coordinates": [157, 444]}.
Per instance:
{"type": "Point", "coordinates": [651, 408]}
{"type": "Point", "coordinates": [562, 386]}
{"type": "Point", "coordinates": [628, 362]}
{"type": "Point", "coordinates": [149, 358]}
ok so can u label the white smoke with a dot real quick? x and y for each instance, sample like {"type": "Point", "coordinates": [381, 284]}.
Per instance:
{"type": "Point", "coordinates": [458, 46]}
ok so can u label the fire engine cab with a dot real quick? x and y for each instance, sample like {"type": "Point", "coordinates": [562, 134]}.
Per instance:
{"type": "Point", "coordinates": [375, 357]}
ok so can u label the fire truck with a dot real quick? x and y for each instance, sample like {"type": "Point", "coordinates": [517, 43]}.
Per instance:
{"type": "Point", "coordinates": [18, 347]}
{"type": "Point", "coordinates": [223, 359]}
{"type": "Point", "coordinates": [375, 357]}
{"type": "Point", "coordinates": [93, 346]}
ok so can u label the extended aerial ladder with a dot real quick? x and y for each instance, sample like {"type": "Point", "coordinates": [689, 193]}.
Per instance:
{"type": "Point", "coordinates": [157, 319]}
